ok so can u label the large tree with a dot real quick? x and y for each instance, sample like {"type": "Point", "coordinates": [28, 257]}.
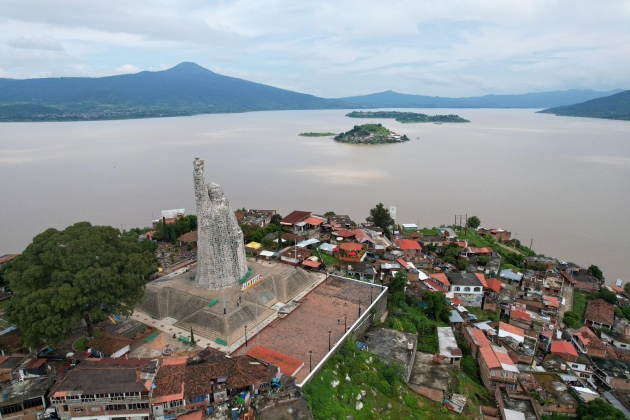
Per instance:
{"type": "Point", "coordinates": [437, 305]}
{"type": "Point", "coordinates": [380, 216]}
{"type": "Point", "coordinates": [473, 222]}
{"type": "Point", "coordinates": [84, 272]}
{"type": "Point", "coordinates": [599, 409]}
{"type": "Point", "coordinates": [596, 272]}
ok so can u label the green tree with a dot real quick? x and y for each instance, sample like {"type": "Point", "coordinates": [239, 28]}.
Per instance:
{"type": "Point", "coordinates": [329, 213]}
{"type": "Point", "coordinates": [192, 337]}
{"type": "Point", "coordinates": [450, 253]}
{"type": "Point", "coordinates": [462, 264]}
{"type": "Point", "coordinates": [380, 216]}
{"type": "Point", "coordinates": [267, 243]}
{"type": "Point", "coordinates": [275, 219]}
{"type": "Point", "coordinates": [599, 409]}
{"type": "Point", "coordinates": [437, 305]}
{"type": "Point", "coordinates": [572, 319]}
{"type": "Point", "coordinates": [594, 271]}
{"type": "Point", "coordinates": [150, 246]}
{"type": "Point", "coordinates": [607, 295]}
{"type": "Point", "coordinates": [4, 268]}
{"type": "Point", "coordinates": [399, 282]}
{"type": "Point", "coordinates": [626, 287]}
{"type": "Point", "coordinates": [514, 259]}
{"type": "Point", "coordinates": [84, 273]}
{"type": "Point", "coordinates": [473, 222]}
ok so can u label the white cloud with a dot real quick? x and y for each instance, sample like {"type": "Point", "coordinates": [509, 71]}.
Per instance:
{"type": "Point", "coordinates": [36, 43]}
{"type": "Point", "coordinates": [127, 69]}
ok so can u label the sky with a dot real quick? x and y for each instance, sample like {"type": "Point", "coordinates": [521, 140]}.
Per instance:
{"type": "Point", "coordinates": [330, 48]}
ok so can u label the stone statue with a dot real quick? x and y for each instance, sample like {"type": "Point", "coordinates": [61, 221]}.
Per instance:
{"type": "Point", "coordinates": [220, 249]}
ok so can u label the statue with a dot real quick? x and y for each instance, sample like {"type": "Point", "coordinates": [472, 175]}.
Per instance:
{"type": "Point", "coordinates": [220, 248]}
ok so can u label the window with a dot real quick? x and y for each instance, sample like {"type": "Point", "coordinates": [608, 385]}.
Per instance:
{"type": "Point", "coordinates": [264, 385]}
{"type": "Point", "coordinates": [574, 366]}
{"type": "Point", "coordinates": [466, 289]}
{"type": "Point", "coordinates": [176, 403]}
{"type": "Point", "coordinates": [165, 405]}
{"type": "Point", "coordinates": [115, 407]}
{"type": "Point", "coordinates": [198, 399]}
{"type": "Point", "coordinates": [477, 289]}
{"type": "Point", "coordinates": [78, 410]}
{"type": "Point", "coordinates": [457, 288]}
{"type": "Point", "coordinates": [10, 409]}
{"type": "Point", "coordinates": [138, 406]}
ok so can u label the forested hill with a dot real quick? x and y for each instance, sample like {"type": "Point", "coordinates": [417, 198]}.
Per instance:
{"type": "Point", "coordinates": [391, 99]}
{"type": "Point", "coordinates": [185, 89]}
{"type": "Point", "coordinates": [614, 107]}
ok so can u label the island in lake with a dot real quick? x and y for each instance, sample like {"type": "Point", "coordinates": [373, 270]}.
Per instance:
{"type": "Point", "coordinates": [312, 134]}
{"type": "Point", "coordinates": [370, 134]}
{"type": "Point", "coordinates": [408, 117]}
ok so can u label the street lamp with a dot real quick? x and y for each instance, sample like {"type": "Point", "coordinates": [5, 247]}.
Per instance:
{"type": "Point", "coordinates": [359, 308]}
{"type": "Point", "coordinates": [310, 360]}
{"type": "Point", "coordinates": [345, 324]}
{"type": "Point", "coordinates": [245, 335]}
{"type": "Point", "coordinates": [382, 280]}
{"type": "Point", "coordinates": [328, 340]}
{"type": "Point", "coordinates": [371, 301]}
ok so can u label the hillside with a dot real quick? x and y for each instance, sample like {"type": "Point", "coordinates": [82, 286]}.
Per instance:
{"type": "Point", "coordinates": [614, 107]}
{"type": "Point", "coordinates": [391, 99]}
{"type": "Point", "coordinates": [370, 134]}
{"type": "Point", "coordinates": [407, 117]}
{"type": "Point", "coordinates": [185, 89]}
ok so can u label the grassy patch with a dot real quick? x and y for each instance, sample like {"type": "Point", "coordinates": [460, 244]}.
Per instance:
{"type": "Point", "coordinates": [383, 385]}
{"type": "Point", "coordinates": [579, 303]}
{"type": "Point", "coordinates": [430, 232]}
{"type": "Point", "coordinates": [329, 260]}
{"type": "Point", "coordinates": [79, 345]}
{"type": "Point", "coordinates": [483, 315]}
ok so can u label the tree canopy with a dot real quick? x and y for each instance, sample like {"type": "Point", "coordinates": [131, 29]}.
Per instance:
{"type": "Point", "coordinates": [84, 272]}
{"type": "Point", "coordinates": [450, 253]}
{"type": "Point", "coordinates": [399, 282]}
{"type": "Point", "coordinates": [607, 295]}
{"type": "Point", "coordinates": [599, 409]}
{"type": "Point", "coordinates": [437, 305]}
{"type": "Point", "coordinates": [380, 216]}
{"type": "Point", "coordinates": [594, 271]}
{"type": "Point", "coordinates": [572, 320]}
{"type": "Point", "coordinates": [275, 219]}
{"type": "Point", "coordinates": [473, 222]}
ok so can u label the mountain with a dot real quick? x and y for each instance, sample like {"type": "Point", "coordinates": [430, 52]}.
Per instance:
{"type": "Point", "coordinates": [391, 99]}
{"type": "Point", "coordinates": [614, 107]}
{"type": "Point", "coordinates": [185, 89]}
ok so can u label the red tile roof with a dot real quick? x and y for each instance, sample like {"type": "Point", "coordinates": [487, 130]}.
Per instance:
{"type": "Point", "coordinates": [344, 233]}
{"type": "Point", "coordinates": [295, 216]}
{"type": "Point", "coordinates": [441, 277]}
{"type": "Point", "coordinates": [287, 364]}
{"type": "Point", "coordinates": [435, 286]}
{"type": "Point", "coordinates": [482, 279]}
{"type": "Point", "coordinates": [551, 301]}
{"type": "Point", "coordinates": [7, 258]}
{"type": "Point", "coordinates": [456, 301]}
{"type": "Point", "coordinates": [402, 263]}
{"type": "Point", "coordinates": [599, 310]}
{"type": "Point", "coordinates": [521, 315]}
{"type": "Point", "coordinates": [494, 285]}
{"type": "Point", "coordinates": [313, 221]}
{"type": "Point", "coordinates": [310, 263]}
{"type": "Point", "coordinates": [351, 246]}
{"type": "Point", "coordinates": [189, 237]}
{"type": "Point", "coordinates": [194, 415]}
{"type": "Point", "coordinates": [489, 357]}
{"type": "Point", "coordinates": [480, 337]}
{"type": "Point", "coordinates": [503, 358]}
{"type": "Point", "coordinates": [511, 329]}
{"type": "Point", "coordinates": [563, 347]}
{"type": "Point", "coordinates": [361, 235]}
{"type": "Point", "coordinates": [407, 244]}
{"type": "Point", "coordinates": [616, 288]}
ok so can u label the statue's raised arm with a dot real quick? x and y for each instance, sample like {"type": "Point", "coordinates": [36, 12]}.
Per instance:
{"type": "Point", "coordinates": [201, 189]}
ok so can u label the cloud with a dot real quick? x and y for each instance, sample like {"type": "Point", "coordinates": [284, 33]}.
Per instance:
{"type": "Point", "coordinates": [36, 43]}
{"type": "Point", "coordinates": [127, 69]}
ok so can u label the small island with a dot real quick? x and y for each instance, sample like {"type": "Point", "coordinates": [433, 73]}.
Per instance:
{"type": "Point", "coordinates": [408, 117]}
{"type": "Point", "coordinates": [370, 134]}
{"type": "Point", "coordinates": [312, 134]}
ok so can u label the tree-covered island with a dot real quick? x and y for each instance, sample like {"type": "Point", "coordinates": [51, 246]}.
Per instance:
{"type": "Point", "coordinates": [370, 134]}
{"type": "Point", "coordinates": [408, 117]}
{"type": "Point", "coordinates": [312, 134]}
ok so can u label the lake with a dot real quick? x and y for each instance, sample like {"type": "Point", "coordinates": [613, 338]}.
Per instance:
{"type": "Point", "coordinates": [563, 182]}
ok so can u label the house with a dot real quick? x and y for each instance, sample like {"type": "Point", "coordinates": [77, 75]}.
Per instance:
{"type": "Point", "coordinates": [564, 350]}
{"type": "Point", "coordinates": [328, 249]}
{"type": "Point", "coordinates": [350, 252]}
{"type": "Point", "coordinates": [581, 366]}
{"type": "Point", "coordinates": [519, 346]}
{"type": "Point", "coordinates": [255, 218]}
{"type": "Point", "coordinates": [497, 234]}
{"type": "Point", "coordinates": [476, 339]}
{"type": "Point", "coordinates": [360, 270]}
{"type": "Point", "coordinates": [467, 288]}
{"type": "Point", "coordinates": [551, 395]}
{"type": "Point", "coordinates": [340, 221]}
{"type": "Point", "coordinates": [167, 399]}
{"type": "Point", "coordinates": [599, 314]}
{"type": "Point", "coordinates": [497, 368]}
{"type": "Point", "coordinates": [510, 275]}
{"type": "Point", "coordinates": [411, 248]}
{"type": "Point", "coordinates": [9, 366]}
{"type": "Point", "coordinates": [619, 341]}
{"type": "Point", "coordinates": [286, 364]}
{"type": "Point", "coordinates": [293, 255]}
{"type": "Point", "coordinates": [613, 373]}
{"type": "Point", "coordinates": [295, 217]}
{"type": "Point", "coordinates": [408, 227]}
{"type": "Point", "coordinates": [507, 330]}
{"type": "Point", "coordinates": [105, 389]}
{"type": "Point", "coordinates": [520, 318]}
{"type": "Point", "coordinates": [452, 355]}
{"type": "Point", "coordinates": [447, 233]}
{"type": "Point", "coordinates": [587, 342]}
{"type": "Point", "coordinates": [514, 406]}
{"type": "Point", "coordinates": [392, 346]}
{"type": "Point", "coordinates": [24, 400]}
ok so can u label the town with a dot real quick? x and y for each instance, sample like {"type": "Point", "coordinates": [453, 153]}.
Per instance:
{"type": "Point", "coordinates": [250, 314]}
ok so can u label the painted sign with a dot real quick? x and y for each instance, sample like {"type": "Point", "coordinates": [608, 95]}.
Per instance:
{"type": "Point", "coordinates": [251, 282]}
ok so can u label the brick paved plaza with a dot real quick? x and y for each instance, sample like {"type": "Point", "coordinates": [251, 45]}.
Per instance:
{"type": "Point", "coordinates": [306, 328]}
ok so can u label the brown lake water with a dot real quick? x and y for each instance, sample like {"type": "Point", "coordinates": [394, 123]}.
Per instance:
{"type": "Point", "coordinates": [563, 182]}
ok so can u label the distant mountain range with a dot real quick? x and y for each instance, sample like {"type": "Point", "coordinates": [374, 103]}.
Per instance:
{"type": "Point", "coordinates": [189, 89]}
{"type": "Point", "coordinates": [391, 99]}
{"type": "Point", "coordinates": [614, 107]}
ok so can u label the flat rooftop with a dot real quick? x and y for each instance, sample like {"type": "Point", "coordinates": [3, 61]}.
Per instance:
{"type": "Point", "coordinates": [306, 327]}
{"type": "Point", "coordinates": [428, 374]}
{"type": "Point", "coordinates": [522, 406]}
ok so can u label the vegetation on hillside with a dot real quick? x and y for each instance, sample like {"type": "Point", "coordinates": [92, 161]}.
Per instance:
{"type": "Point", "coordinates": [370, 134]}
{"type": "Point", "coordinates": [407, 117]}
{"type": "Point", "coordinates": [380, 217]}
{"type": "Point", "coordinates": [614, 107]}
{"type": "Point", "coordinates": [313, 134]}
{"type": "Point", "coordinates": [84, 273]}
